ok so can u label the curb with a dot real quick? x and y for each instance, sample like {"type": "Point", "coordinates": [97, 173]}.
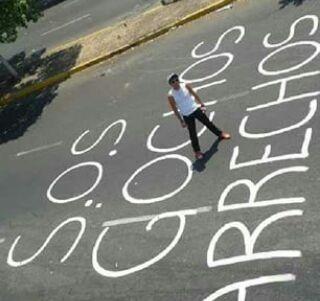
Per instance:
{"type": "Point", "coordinates": [6, 99]}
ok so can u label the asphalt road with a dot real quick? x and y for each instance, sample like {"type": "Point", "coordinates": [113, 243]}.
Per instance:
{"type": "Point", "coordinates": [91, 211]}
{"type": "Point", "coordinates": [69, 20]}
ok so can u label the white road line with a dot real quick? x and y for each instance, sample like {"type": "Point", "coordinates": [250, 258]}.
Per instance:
{"type": "Point", "coordinates": [235, 96]}
{"type": "Point", "coordinates": [39, 149]}
{"type": "Point", "coordinates": [66, 24]}
{"type": "Point", "coordinates": [2, 240]}
{"type": "Point", "coordinates": [138, 219]}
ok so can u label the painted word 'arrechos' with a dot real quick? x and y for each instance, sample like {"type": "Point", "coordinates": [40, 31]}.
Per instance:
{"type": "Point", "coordinates": [250, 239]}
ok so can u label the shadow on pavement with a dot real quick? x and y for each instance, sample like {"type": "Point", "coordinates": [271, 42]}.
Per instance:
{"type": "Point", "coordinates": [166, 2]}
{"type": "Point", "coordinates": [17, 116]}
{"type": "Point", "coordinates": [200, 165]}
{"type": "Point", "coordinates": [284, 3]}
{"type": "Point", "coordinates": [37, 67]}
{"type": "Point", "coordinates": [46, 4]}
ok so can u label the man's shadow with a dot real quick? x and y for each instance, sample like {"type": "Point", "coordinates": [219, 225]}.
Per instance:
{"type": "Point", "coordinates": [200, 165]}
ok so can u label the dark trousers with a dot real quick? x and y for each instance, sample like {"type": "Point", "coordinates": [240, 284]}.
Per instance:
{"type": "Point", "coordinates": [190, 120]}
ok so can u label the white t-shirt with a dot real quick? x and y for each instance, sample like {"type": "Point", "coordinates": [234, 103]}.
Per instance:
{"type": "Point", "coordinates": [185, 101]}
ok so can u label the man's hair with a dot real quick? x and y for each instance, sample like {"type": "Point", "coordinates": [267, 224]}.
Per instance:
{"type": "Point", "coordinates": [172, 76]}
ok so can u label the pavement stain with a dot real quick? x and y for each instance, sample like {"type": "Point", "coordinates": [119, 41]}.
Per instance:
{"type": "Point", "coordinates": [284, 3]}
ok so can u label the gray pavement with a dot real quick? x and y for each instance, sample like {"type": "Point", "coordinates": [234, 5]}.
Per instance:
{"type": "Point", "coordinates": [70, 20]}
{"type": "Point", "coordinates": [47, 165]}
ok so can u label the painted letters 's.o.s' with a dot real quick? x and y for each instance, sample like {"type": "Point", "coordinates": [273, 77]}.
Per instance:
{"type": "Point", "coordinates": [264, 71]}
{"type": "Point", "coordinates": [94, 164]}
{"type": "Point", "coordinates": [133, 200]}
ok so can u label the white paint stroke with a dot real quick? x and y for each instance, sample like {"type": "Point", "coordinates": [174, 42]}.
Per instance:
{"type": "Point", "coordinates": [123, 124]}
{"type": "Point", "coordinates": [40, 148]}
{"type": "Point", "coordinates": [2, 240]}
{"type": "Point", "coordinates": [241, 30]}
{"type": "Point", "coordinates": [12, 262]}
{"type": "Point", "coordinates": [234, 96]}
{"type": "Point", "coordinates": [66, 24]}
{"type": "Point", "coordinates": [95, 164]}
{"type": "Point", "coordinates": [139, 219]}
{"type": "Point", "coordinates": [266, 72]}
{"type": "Point", "coordinates": [153, 148]}
{"type": "Point", "coordinates": [88, 203]}
{"type": "Point", "coordinates": [315, 26]}
{"type": "Point", "coordinates": [304, 153]}
{"type": "Point", "coordinates": [133, 200]}
{"type": "Point", "coordinates": [241, 287]}
{"type": "Point", "coordinates": [115, 274]}
{"type": "Point", "coordinates": [227, 55]}
{"type": "Point", "coordinates": [224, 8]}
{"type": "Point", "coordinates": [244, 133]}
{"type": "Point", "coordinates": [249, 240]}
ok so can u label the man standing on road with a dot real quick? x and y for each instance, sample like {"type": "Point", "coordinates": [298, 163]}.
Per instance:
{"type": "Point", "coordinates": [183, 98]}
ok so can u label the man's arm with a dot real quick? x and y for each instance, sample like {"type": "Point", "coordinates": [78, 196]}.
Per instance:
{"type": "Point", "coordinates": [173, 106]}
{"type": "Point", "coordinates": [196, 96]}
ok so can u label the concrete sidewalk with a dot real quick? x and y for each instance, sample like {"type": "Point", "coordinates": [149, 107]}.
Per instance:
{"type": "Point", "coordinates": [57, 64]}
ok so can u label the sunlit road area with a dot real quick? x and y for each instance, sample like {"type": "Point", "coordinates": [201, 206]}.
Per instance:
{"type": "Point", "coordinates": [102, 199]}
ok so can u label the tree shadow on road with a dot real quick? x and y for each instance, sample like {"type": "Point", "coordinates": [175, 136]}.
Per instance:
{"type": "Point", "coordinates": [25, 66]}
{"type": "Point", "coordinates": [46, 4]}
{"type": "Point", "coordinates": [284, 3]}
{"type": "Point", "coordinates": [37, 67]}
{"type": "Point", "coordinates": [200, 165]}
{"type": "Point", "coordinates": [18, 115]}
